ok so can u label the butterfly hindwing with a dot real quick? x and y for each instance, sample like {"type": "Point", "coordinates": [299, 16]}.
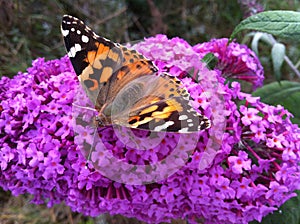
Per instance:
{"type": "Point", "coordinates": [157, 103]}
{"type": "Point", "coordinates": [171, 115]}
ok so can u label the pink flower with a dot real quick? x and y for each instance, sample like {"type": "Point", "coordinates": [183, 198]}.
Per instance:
{"type": "Point", "coordinates": [235, 60]}
{"type": "Point", "coordinates": [239, 163]}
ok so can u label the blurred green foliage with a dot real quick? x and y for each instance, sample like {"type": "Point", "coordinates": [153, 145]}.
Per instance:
{"type": "Point", "coordinates": [31, 29]}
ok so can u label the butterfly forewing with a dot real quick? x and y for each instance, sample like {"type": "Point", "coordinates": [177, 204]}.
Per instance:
{"type": "Point", "coordinates": [124, 86]}
{"type": "Point", "coordinates": [102, 66]}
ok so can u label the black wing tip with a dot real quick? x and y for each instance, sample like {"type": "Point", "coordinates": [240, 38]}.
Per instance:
{"type": "Point", "coordinates": [69, 17]}
{"type": "Point", "coordinates": [66, 16]}
{"type": "Point", "coordinates": [68, 20]}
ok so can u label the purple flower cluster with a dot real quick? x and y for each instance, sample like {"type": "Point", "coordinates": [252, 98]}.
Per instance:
{"type": "Point", "coordinates": [235, 61]}
{"type": "Point", "coordinates": [176, 55]}
{"type": "Point", "coordinates": [241, 169]}
{"type": "Point", "coordinates": [35, 131]}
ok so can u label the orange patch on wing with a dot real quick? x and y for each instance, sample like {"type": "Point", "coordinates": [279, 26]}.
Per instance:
{"type": "Point", "coordinates": [164, 86]}
{"type": "Point", "coordinates": [106, 74]}
{"type": "Point", "coordinates": [97, 64]}
{"type": "Point", "coordinates": [99, 54]}
{"type": "Point", "coordinates": [121, 74]}
{"type": "Point", "coordinates": [134, 118]}
{"type": "Point", "coordinates": [173, 105]}
{"type": "Point", "coordinates": [154, 100]}
{"type": "Point", "coordinates": [90, 57]}
{"type": "Point", "coordinates": [102, 52]}
{"type": "Point", "coordinates": [86, 73]}
{"type": "Point", "coordinates": [161, 114]}
{"type": "Point", "coordinates": [144, 121]}
{"type": "Point", "coordinates": [95, 86]}
{"type": "Point", "coordinates": [149, 109]}
{"type": "Point", "coordinates": [113, 55]}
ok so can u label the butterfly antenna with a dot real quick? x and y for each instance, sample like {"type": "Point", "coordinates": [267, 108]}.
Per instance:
{"type": "Point", "coordinates": [94, 135]}
{"type": "Point", "coordinates": [90, 152]}
{"type": "Point", "coordinates": [87, 108]}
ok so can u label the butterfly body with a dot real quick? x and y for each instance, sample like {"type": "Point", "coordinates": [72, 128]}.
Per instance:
{"type": "Point", "coordinates": [125, 86]}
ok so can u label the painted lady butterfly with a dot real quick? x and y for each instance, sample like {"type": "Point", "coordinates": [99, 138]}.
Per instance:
{"type": "Point", "coordinates": [124, 85]}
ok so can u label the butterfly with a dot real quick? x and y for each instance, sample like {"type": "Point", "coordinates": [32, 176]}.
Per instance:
{"type": "Point", "coordinates": [125, 86]}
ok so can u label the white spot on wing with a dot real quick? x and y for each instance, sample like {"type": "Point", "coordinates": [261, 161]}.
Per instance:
{"type": "Point", "coordinates": [65, 32]}
{"type": "Point", "coordinates": [84, 39]}
{"type": "Point", "coordinates": [183, 117]}
{"type": "Point", "coordinates": [74, 50]}
{"type": "Point", "coordinates": [164, 126]}
{"type": "Point", "coordinates": [183, 130]}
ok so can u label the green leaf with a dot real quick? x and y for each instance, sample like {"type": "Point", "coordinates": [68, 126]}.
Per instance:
{"type": "Point", "coordinates": [277, 53]}
{"type": "Point", "coordinates": [257, 36]}
{"type": "Point", "coordinates": [254, 43]}
{"type": "Point", "coordinates": [285, 24]}
{"type": "Point", "coordinates": [285, 93]}
{"type": "Point", "coordinates": [210, 60]}
{"type": "Point", "coordinates": [289, 213]}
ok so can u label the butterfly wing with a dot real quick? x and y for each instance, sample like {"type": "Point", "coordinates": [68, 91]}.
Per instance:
{"type": "Point", "coordinates": [157, 103]}
{"type": "Point", "coordinates": [118, 79]}
{"type": "Point", "coordinates": [103, 66]}
{"type": "Point", "coordinates": [170, 115]}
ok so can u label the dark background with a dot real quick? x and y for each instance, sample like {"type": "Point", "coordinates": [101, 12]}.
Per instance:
{"type": "Point", "coordinates": [31, 29]}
